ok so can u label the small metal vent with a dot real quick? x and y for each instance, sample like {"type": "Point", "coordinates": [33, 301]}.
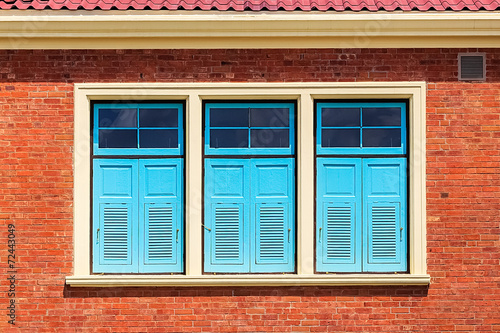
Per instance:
{"type": "Point", "coordinates": [471, 66]}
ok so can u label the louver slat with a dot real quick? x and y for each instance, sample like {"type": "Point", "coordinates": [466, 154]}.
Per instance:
{"type": "Point", "coordinates": [227, 233]}
{"type": "Point", "coordinates": [115, 233]}
{"type": "Point", "coordinates": [271, 233]}
{"type": "Point", "coordinates": [338, 234]}
{"type": "Point", "coordinates": [384, 233]}
{"type": "Point", "coordinates": [160, 233]}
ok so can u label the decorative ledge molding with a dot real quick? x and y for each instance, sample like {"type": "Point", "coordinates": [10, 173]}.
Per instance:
{"type": "Point", "coordinates": [30, 29]}
{"type": "Point", "coordinates": [246, 280]}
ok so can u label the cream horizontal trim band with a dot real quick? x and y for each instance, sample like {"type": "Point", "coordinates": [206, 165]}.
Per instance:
{"type": "Point", "coordinates": [208, 30]}
{"type": "Point", "coordinates": [246, 280]}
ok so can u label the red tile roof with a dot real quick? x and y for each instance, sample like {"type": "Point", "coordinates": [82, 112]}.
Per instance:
{"type": "Point", "coordinates": [257, 5]}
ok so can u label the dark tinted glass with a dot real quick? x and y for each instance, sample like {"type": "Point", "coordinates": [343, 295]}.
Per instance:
{"type": "Point", "coordinates": [158, 118]}
{"type": "Point", "coordinates": [340, 138]}
{"type": "Point", "coordinates": [381, 117]}
{"type": "Point", "coordinates": [340, 117]}
{"type": "Point", "coordinates": [229, 138]}
{"type": "Point", "coordinates": [118, 138]}
{"type": "Point", "coordinates": [272, 138]}
{"type": "Point", "coordinates": [269, 117]}
{"type": "Point", "coordinates": [158, 138]}
{"type": "Point", "coordinates": [380, 137]}
{"type": "Point", "coordinates": [233, 117]}
{"type": "Point", "coordinates": [117, 117]}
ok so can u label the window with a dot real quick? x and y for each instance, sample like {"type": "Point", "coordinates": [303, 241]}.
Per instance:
{"type": "Point", "coordinates": [263, 165]}
{"type": "Point", "coordinates": [137, 196]}
{"type": "Point", "coordinates": [361, 201]}
{"type": "Point", "coordinates": [361, 128]}
{"type": "Point", "coordinates": [249, 129]}
{"type": "Point", "coordinates": [138, 129]}
{"type": "Point", "coordinates": [249, 198]}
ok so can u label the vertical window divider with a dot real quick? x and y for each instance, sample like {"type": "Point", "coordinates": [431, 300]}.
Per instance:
{"type": "Point", "coordinates": [361, 127]}
{"type": "Point", "coordinates": [138, 128]}
{"type": "Point", "coordinates": [194, 184]}
{"type": "Point", "coordinates": [249, 129]}
{"type": "Point", "coordinates": [306, 146]}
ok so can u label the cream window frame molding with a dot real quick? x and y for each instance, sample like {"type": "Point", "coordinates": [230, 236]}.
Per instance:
{"type": "Point", "coordinates": [194, 94]}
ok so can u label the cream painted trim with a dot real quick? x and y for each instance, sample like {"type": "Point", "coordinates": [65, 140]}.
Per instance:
{"type": "Point", "coordinates": [194, 194]}
{"type": "Point", "coordinates": [305, 184]}
{"type": "Point", "coordinates": [254, 280]}
{"type": "Point", "coordinates": [304, 94]}
{"type": "Point", "coordinates": [31, 29]}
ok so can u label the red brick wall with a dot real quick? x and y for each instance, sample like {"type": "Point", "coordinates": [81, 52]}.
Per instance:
{"type": "Point", "coordinates": [463, 197]}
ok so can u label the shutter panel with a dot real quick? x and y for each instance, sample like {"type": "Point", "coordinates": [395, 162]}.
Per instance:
{"type": "Point", "coordinates": [339, 229]}
{"type": "Point", "coordinates": [384, 195]}
{"type": "Point", "coordinates": [272, 216]}
{"type": "Point", "coordinates": [226, 215]}
{"type": "Point", "coordinates": [338, 224]}
{"type": "Point", "coordinates": [228, 233]}
{"type": "Point", "coordinates": [160, 232]}
{"type": "Point", "coordinates": [384, 222]}
{"type": "Point", "coordinates": [115, 232]}
{"type": "Point", "coordinates": [114, 216]}
{"type": "Point", "coordinates": [271, 232]}
{"type": "Point", "coordinates": [161, 215]}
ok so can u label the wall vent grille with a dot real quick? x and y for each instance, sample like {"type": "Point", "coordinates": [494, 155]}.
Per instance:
{"type": "Point", "coordinates": [471, 67]}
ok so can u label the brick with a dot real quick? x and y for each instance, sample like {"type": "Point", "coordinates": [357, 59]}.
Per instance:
{"type": "Point", "coordinates": [463, 185]}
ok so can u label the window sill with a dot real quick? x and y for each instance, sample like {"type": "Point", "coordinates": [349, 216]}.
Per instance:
{"type": "Point", "coordinates": [246, 280]}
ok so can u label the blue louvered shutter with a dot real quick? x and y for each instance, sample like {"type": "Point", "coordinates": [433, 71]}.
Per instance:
{"type": "Point", "coordinates": [227, 210]}
{"type": "Point", "coordinates": [338, 226]}
{"type": "Point", "coordinates": [272, 215]}
{"type": "Point", "coordinates": [384, 195]}
{"type": "Point", "coordinates": [115, 208]}
{"type": "Point", "coordinates": [160, 215]}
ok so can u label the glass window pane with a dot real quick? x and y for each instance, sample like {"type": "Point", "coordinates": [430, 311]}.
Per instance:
{"type": "Point", "coordinates": [273, 138]}
{"type": "Point", "coordinates": [158, 117]}
{"type": "Point", "coordinates": [340, 117]}
{"type": "Point", "coordinates": [232, 117]}
{"type": "Point", "coordinates": [117, 117]}
{"type": "Point", "coordinates": [381, 116]}
{"type": "Point", "coordinates": [229, 138]}
{"type": "Point", "coordinates": [269, 117]}
{"type": "Point", "coordinates": [118, 138]}
{"type": "Point", "coordinates": [158, 138]}
{"type": "Point", "coordinates": [382, 137]}
{"type": "Point", "coordinates": [340, 138]}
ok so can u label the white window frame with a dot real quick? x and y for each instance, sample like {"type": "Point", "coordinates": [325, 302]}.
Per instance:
{"type": "Point", "coordinates": [194, 94]}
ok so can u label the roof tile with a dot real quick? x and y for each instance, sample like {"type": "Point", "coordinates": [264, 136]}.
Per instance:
{"type": "Point", "coordinates": [257, 5]}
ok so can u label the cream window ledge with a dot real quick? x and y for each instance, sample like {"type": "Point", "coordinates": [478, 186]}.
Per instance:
{"type": "Point", "coordinates": [247, 280]}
